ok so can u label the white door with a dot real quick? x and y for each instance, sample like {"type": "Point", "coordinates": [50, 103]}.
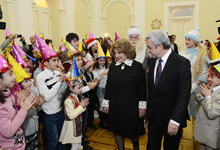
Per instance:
{"type": "Point", "coordinates": [180, 18]}
{"type": "Point", "coordinates": [180, 27]}
{"type": "Point", "coordinates": [42, 21]}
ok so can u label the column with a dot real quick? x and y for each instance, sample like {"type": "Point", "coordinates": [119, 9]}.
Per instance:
{"type": "Point", "coordinates": [63, 22]}
{"type": "Point", "coordinates": [12, 16]}
{"type": "Point", "coordinates": [139, 18]}
{"type": "Point", "coordinates": [70, 15]}
{"type": "Point", "coordinates": [97, 23]}
{"type": "Point", "coordinates": [24, 18]}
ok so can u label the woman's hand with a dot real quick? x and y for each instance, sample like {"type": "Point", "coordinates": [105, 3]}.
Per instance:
{"type": "Point", "coordinates": [142, 112]}
{"type": "Point", "coordinates": [106, 110]}
{"type": "Point", "coordinates": [28, 102]}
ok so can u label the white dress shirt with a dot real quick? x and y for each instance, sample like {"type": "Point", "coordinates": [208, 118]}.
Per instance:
{"type": "Point", "coordinates": [163, 63]}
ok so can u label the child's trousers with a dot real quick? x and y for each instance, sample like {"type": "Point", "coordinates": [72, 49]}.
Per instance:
{"type": "Point", "coordinates": [205, 147]}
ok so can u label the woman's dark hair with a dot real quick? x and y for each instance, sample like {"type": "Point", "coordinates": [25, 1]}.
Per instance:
{"type": "Point", "coordinates": [90, 52]}
{"type": "Point", "coordinates": [96, 65]}
{"type": "Point", "coordinates": [71, 36]}
{"type": "Point", "coordinates": [2, 98]}
{"type": "Point", "coordinates": [48, 41]}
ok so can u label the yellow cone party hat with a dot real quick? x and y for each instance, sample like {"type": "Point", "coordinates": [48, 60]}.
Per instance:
{"type": "Point", "coordinates": [100, 53]}
{"type": "Point", "coordinates": [19, 72]}
{"type": "Point", "coordinates": [215, 55]}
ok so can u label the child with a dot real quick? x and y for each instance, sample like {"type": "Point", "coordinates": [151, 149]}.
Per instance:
{"type": "Point", "coordinates": [11, 134]}
{"type": "Point", "coordinates": [91, 49]}
{"type": "Point", "coordinates": [72, 127]}
{"type": "Point", "coordinates": [73, 40]}
{"type": "Point", "coordinates": [86, 87]}
{"type": "Point", "coordinates": [49, 82]}
{"type": "Point", "coordinates": [31, 124]}
{"type": "Point", "coordinates": [109, 58]}
{"type": "Point", "coordinates": [207, 126]}
{"type": "Point", "coordinates": [93, 99]}
{"type": "Point", "coordinates": [100, 72]}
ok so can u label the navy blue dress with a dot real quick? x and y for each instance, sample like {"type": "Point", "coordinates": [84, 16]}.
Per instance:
{"type": "Point", "coordinates": [124, 89]}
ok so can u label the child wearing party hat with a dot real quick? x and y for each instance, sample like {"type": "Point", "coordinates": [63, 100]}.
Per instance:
{"type": "Point", "coordinates": [87, 86]}
{"type": "Point", "coordinates": [100, 72]}
{"type": "Point", "coordinates": [30, 124]}
{"type": "Point", "coordinates": [196, 52]}
{"type": "Point", "coordinates": [74, 107]}
{"type": "Point", "coordinates": [49, 82]}
{"type": "Point", "coordinates": [11, 119]}
{"type": "Point", "coordinates": [92, 46]}
{"type": "Point", "coordinates": [109, 58]}
{"type": "Point", "coordinates": [206, 130]}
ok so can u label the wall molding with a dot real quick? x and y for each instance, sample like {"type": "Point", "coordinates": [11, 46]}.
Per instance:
{"type": "Point", "coordinates": [114, 1]}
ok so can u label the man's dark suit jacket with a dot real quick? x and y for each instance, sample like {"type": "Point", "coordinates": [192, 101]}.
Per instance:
{"type": "Point", "coordinates": [175, 48]}
{"type": "Point", "coordinates": [169, 100]}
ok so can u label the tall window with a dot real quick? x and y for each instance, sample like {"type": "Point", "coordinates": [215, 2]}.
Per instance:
{"type": "Point", "coordinates": [41, 3]}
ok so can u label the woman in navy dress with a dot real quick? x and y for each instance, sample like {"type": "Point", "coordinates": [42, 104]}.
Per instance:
{"type": "Point", "coordinates": [125, 97]}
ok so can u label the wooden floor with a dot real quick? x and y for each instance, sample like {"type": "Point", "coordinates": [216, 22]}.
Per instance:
{"type": "Point", "coordinates": [101, 139]}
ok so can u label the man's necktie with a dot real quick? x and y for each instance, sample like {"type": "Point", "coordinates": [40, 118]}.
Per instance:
{"type": "Point", "coordinates": [159, 71]}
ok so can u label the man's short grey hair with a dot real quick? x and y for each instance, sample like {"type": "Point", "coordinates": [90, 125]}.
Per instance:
{"type": "Point", "coordinates": [159, 37]}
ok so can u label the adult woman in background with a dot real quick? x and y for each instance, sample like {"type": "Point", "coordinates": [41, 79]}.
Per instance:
{"type": "Point", "coordinates": [196, 53]}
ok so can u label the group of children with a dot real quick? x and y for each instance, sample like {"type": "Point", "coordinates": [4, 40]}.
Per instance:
{"type": "Point", "coordinates": [58, 97]}
{"type": "Point", "coordinates": [65, 98]}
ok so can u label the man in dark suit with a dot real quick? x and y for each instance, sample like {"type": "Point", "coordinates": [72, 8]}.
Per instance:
{"type": "Point", "coordinates": [173, 45]}
{"type": "Point", "coordinates": [169, 81]}
{"type": "Point", "coordinates": [28, 48]}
